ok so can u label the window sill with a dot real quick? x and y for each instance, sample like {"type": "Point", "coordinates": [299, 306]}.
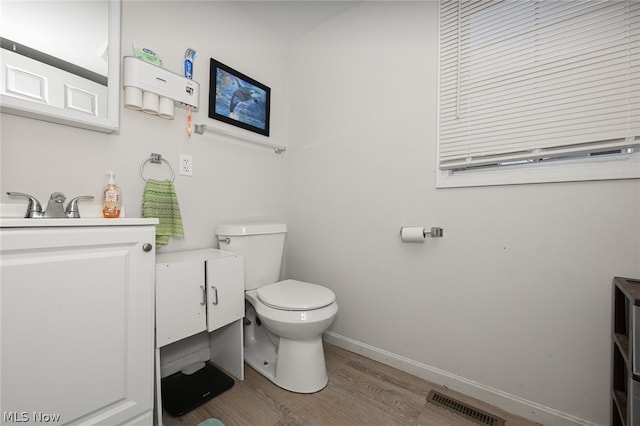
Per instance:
{"type": "Point", "coordinates": [595, 168]}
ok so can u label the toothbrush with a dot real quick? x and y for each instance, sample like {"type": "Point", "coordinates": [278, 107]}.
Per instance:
{"type": "Point", "coordinates": [189, 57]}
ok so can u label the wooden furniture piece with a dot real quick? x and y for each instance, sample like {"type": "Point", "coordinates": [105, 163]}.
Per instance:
{"type": "Point", "coordinates": [626, 352]}
{"type": "Point", "coordinates": [200, 291]}
{"type": "Point", "coordinates": [77, 321]}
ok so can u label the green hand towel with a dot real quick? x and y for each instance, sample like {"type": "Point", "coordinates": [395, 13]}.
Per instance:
{"type": "Point", "coordinates": [159, 200]}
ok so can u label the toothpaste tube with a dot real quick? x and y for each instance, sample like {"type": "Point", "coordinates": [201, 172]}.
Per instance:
{"type": "Point", "coordinates": [189, 57]}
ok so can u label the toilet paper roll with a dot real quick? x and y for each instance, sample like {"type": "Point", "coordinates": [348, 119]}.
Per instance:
{"type": "Point", "coordinates": [167, 108]}
{"type": "Point", "coordinates": [132, 98]}
{"type": "Point", "coordinates": [412, 234]}
{"type": "Point", "coordinates": [150, 102]}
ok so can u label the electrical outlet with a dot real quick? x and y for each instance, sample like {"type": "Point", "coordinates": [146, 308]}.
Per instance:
{"type": "Point", "coordinates": [186, 165]}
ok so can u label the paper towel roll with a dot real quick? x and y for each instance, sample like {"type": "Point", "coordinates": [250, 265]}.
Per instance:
{"type": "Point", "coordinates": [150, 102]}
{"type": "Point", "coordinates": [167, 108]}
{"type": "Point", "coordinates": [132, 98]}
{"type": "Point", "coordinates": [412, 234]}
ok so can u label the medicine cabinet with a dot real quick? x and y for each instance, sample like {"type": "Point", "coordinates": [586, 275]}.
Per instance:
{"type": "Point", "coordinates": [60, 61]}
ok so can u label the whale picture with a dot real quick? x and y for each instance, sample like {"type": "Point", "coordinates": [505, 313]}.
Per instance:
{"type": "Point", "coordinates": [237, 99]}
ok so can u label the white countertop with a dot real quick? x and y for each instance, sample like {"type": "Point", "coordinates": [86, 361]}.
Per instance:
{"type": "Point", "coordinates": [90, 221]}
{"type": "Point", "coordinates": [12, 217]}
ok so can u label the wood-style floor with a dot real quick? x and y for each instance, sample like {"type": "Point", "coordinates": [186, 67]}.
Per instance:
{"type": "Point", "coordinates": [360, 392]}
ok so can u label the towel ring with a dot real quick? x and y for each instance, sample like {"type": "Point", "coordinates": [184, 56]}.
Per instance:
{"type": "Point", "coordinates": [155, 159]}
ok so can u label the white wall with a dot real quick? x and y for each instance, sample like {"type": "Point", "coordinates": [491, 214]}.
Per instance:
{"type": "Point", "coordinates": [231, 181]}
{"type": "Point", "coordinates": [515, 297]}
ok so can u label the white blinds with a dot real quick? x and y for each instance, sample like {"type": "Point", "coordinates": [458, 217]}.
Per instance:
{"type": "Point", "coordinates": [536, 79]}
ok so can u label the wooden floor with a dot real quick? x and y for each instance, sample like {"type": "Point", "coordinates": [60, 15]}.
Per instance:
{"type": "Point", "coordinates": [360, 392]}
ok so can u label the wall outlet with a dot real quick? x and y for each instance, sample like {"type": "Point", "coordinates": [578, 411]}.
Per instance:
{"type": "Point", "coordinates": [186, 165]}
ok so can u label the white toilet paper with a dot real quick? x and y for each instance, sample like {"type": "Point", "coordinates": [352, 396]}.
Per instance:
{"type": "Point", "coordinates": [132, 98]}
{"type": "Point", "coordinates": [150, 102]}
{"type": "Point", "coordinates": [412, 234]}
{"type": "Point", "coordinates": [167, 108]}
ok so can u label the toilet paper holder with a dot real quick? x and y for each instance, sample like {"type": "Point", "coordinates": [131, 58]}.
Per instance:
{"type": "Point", "coordinates": [434, 232]}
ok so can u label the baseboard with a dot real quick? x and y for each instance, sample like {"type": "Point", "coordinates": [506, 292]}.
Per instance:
{"type": "Point", "coordinates": [514, 404]}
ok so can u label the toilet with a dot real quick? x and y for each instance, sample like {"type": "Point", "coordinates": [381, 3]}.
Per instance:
{"type": "Point", "coordinates": [284, 320]}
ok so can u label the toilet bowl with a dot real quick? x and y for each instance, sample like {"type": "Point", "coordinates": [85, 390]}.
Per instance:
{"type": "Point", "coordinates": [284, 320]}
{"type": "Point", "coordinates": [299, 364]}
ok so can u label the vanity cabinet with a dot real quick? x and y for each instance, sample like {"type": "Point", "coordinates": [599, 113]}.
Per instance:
{"type": "Point", "coordinates": [76, 308]}
{"type": "Point", "coordinates": [197, 290]}
{"type": "Point", "coordinates": [626, 352]}
{"type": "Point", "coordinates": [199, 294]}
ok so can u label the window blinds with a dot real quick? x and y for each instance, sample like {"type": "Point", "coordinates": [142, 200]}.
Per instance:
{"type": "Point", "coordinates": [526, 80]}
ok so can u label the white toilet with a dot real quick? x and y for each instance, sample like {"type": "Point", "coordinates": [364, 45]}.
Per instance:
{"type": "Point", "coordinates": [284, 320]}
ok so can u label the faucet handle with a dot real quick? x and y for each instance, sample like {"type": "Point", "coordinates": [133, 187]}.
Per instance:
{"type": "Point", "coordinates": [34, 208]}
{"type": "Point", "coordinates": [72, 208]}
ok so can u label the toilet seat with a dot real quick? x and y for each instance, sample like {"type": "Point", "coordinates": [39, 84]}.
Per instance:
{"type": "Point", "coordinates": [293, 295]}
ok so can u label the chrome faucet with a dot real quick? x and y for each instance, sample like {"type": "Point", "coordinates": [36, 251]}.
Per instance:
{"type": "Point", "coordinates": [55, 207]}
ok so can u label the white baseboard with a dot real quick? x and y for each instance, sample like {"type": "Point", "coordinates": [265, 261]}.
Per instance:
{"type": "Point", "coordinates": [511, 403]}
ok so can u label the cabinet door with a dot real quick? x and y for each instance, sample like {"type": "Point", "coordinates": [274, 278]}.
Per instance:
{"type": "Point", "coordinates": [180, 301]}
{"type": "Point", "coordinates": [76, 308]}
{"type": "Point", "coordinates": [225, 291]}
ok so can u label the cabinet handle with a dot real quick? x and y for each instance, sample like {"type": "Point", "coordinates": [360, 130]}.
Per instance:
{"type": "Point", "coordinates": [147, 247]}
{"type": "Point", "coordinates": [215, 291]}
{"type": "Point", "coordinates": [204, 295]}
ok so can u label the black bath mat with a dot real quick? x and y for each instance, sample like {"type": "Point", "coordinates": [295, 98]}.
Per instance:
{"type": "Point", "coordinates": [182, 393]}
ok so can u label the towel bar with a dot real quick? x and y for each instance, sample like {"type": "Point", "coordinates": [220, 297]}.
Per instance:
{"type": "Point", "coordinates": [202, 128]}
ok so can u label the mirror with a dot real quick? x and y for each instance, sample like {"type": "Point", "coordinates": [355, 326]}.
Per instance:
{"type": "Point", "coordinates": [60, 61]}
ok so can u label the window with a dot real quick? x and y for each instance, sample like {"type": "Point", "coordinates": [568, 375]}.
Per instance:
{"type": "Point", "coordinates": [538, 91]}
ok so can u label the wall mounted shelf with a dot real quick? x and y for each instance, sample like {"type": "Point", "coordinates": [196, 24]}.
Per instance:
{"type": "Point", "coordinates": [202, 128]}
{"type": "Point", "coordinates": [155, 90]}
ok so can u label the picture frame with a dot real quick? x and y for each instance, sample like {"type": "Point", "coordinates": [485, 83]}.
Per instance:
{"type": "Point", "coordinates": [237, 99]}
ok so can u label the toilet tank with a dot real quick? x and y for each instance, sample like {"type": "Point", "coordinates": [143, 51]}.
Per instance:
{"type": "Point", "coordinates": [262, 246]}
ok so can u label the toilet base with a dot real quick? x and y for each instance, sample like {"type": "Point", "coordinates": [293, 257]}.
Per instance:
{"type": "Point", "coordinates": [298, 366]}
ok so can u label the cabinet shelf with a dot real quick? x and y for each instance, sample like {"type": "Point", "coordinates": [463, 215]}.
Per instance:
{"type": "Point", "coordinates": [625, 383]}
{"type": "Point", "coordinates": [622, 342]}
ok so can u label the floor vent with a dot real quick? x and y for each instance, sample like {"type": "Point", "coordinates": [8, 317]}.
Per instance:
{"type": "Point", "coordinates": [465, 410]}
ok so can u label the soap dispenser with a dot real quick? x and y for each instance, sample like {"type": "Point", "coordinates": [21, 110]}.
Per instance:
{"type": "Point", "coordinates": [111, 197]}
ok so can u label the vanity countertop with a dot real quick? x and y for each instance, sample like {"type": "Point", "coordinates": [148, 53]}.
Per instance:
{"type": "Point", "coordinates": [90, 221]}
{"type": "Point", "coordinates": [12, 216]}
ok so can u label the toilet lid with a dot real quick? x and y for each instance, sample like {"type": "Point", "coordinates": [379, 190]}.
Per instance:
{"type": "Point", "coordinates": [292, 295]}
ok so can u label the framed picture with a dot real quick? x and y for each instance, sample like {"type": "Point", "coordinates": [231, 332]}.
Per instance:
{"type": "Point", "coordinates": [238, 99]}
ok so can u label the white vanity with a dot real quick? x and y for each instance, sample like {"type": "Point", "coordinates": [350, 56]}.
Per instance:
{"type": "Point", "coordinates": [77, 321]}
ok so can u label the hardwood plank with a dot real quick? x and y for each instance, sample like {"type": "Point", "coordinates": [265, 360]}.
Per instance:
{"type": "Point", "coordinates": [360, 392]}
